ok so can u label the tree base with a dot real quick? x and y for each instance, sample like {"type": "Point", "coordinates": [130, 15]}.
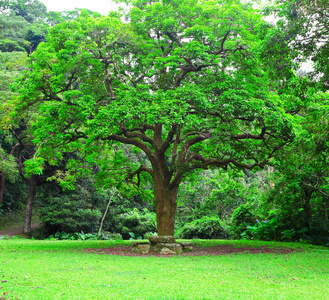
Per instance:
{"type": "Point", "coordinates": [162, 245]}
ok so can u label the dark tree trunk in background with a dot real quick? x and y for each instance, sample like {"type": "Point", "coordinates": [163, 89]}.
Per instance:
{"type": "Point", "coordinates": [32, 182]}
{"type": "Point", "coordinates": [307, 207]}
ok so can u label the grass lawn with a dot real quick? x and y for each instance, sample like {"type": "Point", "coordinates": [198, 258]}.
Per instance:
{"type": "Point", "coordinates": [60, 270]}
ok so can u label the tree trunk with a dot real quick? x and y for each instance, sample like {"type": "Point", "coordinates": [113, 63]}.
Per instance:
{"type": "Point", "coordinates": [307, 208]}
{"type": "Point", "coordinates": [29, 206]}
{"type": "Point", "coordinates": [165, 200]}
{"type": "Point", "coordinates": [2, 186]}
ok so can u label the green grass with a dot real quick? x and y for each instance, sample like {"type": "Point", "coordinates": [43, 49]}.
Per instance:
{"type": "Point", "coordinates": [60, 270]}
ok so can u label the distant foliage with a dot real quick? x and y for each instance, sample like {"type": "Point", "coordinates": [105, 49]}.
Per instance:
{"type": "Point", "coordinates": [204, 228]}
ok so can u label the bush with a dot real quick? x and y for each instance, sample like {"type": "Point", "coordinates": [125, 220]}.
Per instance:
{"type": "Point", "coordinates": [204, 228]}
{"type": "Point", "coordinates": [136, 223]}
{"type": "Point", "coordinates": [69, 213]}
{"type": "Point", "coordinates": [263, 230]}
{"type": "Point", "coordinates": [241, 218]}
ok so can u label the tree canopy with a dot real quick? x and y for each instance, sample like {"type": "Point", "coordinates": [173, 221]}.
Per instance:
{"type": "Point", "coordinates": [182, 82]}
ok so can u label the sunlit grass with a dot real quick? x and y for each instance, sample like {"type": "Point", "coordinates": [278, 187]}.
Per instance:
{"type": "Point", "coordinates": [60, 270]}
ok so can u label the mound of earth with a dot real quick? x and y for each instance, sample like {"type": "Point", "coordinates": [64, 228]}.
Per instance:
{"type": "Point", "coordinates": [197, 251]}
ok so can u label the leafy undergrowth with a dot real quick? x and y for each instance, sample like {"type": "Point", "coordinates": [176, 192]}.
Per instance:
{"type": "Point", "coordinates": [14, 218]}
{"type": "Point", "coordinates": [60, 270]}
{"type": "Point", "coordinates": [10, 219]}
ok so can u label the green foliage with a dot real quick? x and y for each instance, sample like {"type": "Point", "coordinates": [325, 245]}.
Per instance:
{"type": "Point", "coordinates": [69, 213]}
{"type": "Point", "coordinates": [135, 224]}
{"type": "Point", "coordinates": [297, 20]}
{"type": "Point", "coordinates": [204, 228]}
{"type": "Point", "coordinates": [30, 10]}
{"type": "Point", "coordinates": [105, 235]}
{"type": "Point", "coordinates": [183, 83]}
{"type": "Point", "coordinates": [242, 217]}
{"type": "Point", "coordinates": [262, 230]}
{"type": "Point", "coordinates": [148, 234]}
{"type": "Point", "coordinates": [12, 35]}
{"type": "Point", "coordinates": [212, 192]}
{"type": "Point", "coordinates": [73, 236]}
{"type": "Point", "coordinates": [14, 198]}
{"type": "Point", "coordinates": [133, 236]}
{"type": "Point", "coordinates": [284, 225]}
{"type": "Point", "coordinates": [22, 26]}
{"type": "Point", "coordinates": [8, 166]}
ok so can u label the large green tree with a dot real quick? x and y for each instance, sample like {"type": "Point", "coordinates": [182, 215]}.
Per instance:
{"type": "Point", "coordinates": [181, 84]}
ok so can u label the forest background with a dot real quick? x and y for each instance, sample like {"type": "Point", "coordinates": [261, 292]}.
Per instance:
{"type": "Point", "coordinates": [266, 179]}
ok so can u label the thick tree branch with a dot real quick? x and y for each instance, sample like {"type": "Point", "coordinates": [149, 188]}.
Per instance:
{"type": "Point", "coordinates": [139, 135]}
{"type": "Point", "coordinates": [200, 137]}
{"type": "Point", "coordinates": [158, 135]}
{"type": "Point", "coordinates": [142, 168]}
{"type": "Point", "coordinates": [243, 136]}
{"type": "Point", "coordinates": [175, 148]}
{"type": "Point", "coordinates": [169, 139]}
{"type": "Point", "coordinates": [132, 141]}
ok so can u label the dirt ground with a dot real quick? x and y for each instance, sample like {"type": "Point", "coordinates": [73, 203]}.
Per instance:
{"type": "Point", "coordinates": [197, 251]}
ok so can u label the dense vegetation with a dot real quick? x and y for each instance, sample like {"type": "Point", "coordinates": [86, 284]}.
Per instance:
{"type": "Point", "coordinates": [194, 118]}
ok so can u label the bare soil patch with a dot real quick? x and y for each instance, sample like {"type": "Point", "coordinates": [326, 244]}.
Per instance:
{"type": "Point", "coordinates": [197, 251]}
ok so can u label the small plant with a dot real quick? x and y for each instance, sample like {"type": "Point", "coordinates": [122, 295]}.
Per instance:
{"type": "Point", "coordinates": [262, 230]}
{"type": "Point", "coordinates": [73, 236]}
{"type": "Point", "coordinates": [105, 235]}
{"type": "Point", "coordinates": [16, 237]}
{"type": "Point", "coordinates": [148, 234]}
{"type": "Point", "coordinates": [134, 237]}
{"type": "Point", "coordinates": [288, 234]}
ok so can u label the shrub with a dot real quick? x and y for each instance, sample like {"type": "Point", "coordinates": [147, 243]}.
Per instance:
{"type": "Point", "coordinates": [136, 223]}
{"type": "Point", "coordinates": [262, 230]}
{"type": "Point", "coordinates": [68, 213]}
{"type": "Point", "coordinates": [241, 218]}
{"type": "Point", "coordinates": [204, 228]}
